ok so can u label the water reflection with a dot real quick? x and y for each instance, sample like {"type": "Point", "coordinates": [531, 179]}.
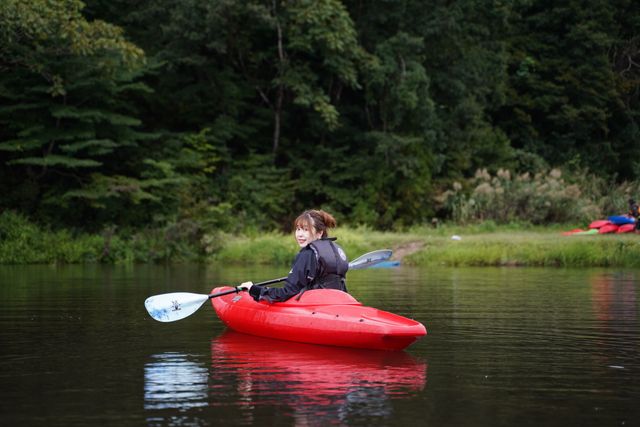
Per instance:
{"type": "Point", "coordinates": [614, 298]}
{"type": "Point", "coordinates": [616, 312]}
{"type": "Point", "coordinates": [311, 383]}
{"type": "Point", "coordinates": [172, 381]}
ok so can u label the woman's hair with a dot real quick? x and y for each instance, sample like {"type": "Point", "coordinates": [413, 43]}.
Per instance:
{"type": "Point", "coordinates": [318, 219]}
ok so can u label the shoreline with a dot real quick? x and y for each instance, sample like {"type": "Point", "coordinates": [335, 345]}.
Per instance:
{"type": "Point", "coordinates": [485, 244]}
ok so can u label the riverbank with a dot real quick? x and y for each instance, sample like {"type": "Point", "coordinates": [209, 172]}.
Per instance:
{"type": "Point", "coordinates": [533, 248]}
{"type": "Point", "coordinates": [479, 245]}
{"type": "Point", "coordinates": [471, 246]}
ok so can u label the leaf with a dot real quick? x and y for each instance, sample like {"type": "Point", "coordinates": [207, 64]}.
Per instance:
{"type": "Point", "coordinates": [106, 144]}
{"type": "Point", "coordinates": [57, 160]}
{"type": "Point", "coordinates": [19, 145]}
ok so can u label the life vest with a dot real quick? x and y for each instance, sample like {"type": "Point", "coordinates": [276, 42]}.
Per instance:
{"type": "Point", "coordinates": [332, 265]}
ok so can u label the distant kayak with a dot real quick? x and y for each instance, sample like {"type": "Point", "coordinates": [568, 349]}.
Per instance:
{"type": "Point", "coordinates": [320, 316]}
{"type": "Point", "coordinates": [614, 224]}
{"type": "Point", "coordinates": [621, 220]}
{"type": "Point", "coordinates": [609, 228]}
{"type": "Point", "coordinates": [599, 223]}
{"type": "Point", "coordinates": [580, 232]}
{"type": "Point", "coordinates": [626, 228]}
{"type": "Point", "coordinates": [574, 231]}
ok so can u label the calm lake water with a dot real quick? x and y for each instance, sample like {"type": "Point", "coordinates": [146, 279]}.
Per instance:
{"type": "Point", "coordinates": [505, 347]}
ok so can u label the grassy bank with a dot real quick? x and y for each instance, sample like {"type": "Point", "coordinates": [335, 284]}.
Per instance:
{"type": "Point", "coordinates": [276, 248]}
{"type": "Point", "coordinates": [530, 248]}
{"type": "Point", "coordinates": [478, 246]}
{"type": "Point", "coordinates": [487, 244]}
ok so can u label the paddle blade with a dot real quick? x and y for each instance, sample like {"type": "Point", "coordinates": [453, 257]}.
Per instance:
{"type": "Point", "coordinates": [369, 259]}
{"type": "Point", "coordinates": [174, 306]}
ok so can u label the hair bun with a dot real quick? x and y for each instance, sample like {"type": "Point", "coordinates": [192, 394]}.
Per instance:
{"type": "Point", "coordinates": [328, 219]}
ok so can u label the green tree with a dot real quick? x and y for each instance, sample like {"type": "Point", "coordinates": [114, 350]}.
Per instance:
{"type": "Point", "coordinates": [625, 62]}
{"type": "Point", "coordinates": [399, 136]}
{"type": "Point", "coordinates": [68, 130]}
{"type": "Point", "coordinates": [315, 55]}
{"type": "Point", "coordinates": [466, 61]}
{"type": "Point", "coordinates": [566, 102]}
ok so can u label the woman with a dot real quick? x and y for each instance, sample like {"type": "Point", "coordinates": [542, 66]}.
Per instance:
{"type": "Point", "coordinates": [634, 212]}
{"type": "Point", "coordinates": [320, 264]}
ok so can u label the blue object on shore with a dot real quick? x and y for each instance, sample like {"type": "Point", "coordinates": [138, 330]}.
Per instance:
{"type": "Point", "coordinates": [621, 220]}
{"type": "Point", "coordinates": [386, 264]}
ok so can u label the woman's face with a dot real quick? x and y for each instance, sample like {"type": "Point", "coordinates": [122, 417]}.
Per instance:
{"type": "Point", "coordinates": [306, 234]}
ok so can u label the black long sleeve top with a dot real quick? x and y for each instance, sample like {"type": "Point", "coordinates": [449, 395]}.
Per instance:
{"type": "Point", "coordinates": [302, 273]}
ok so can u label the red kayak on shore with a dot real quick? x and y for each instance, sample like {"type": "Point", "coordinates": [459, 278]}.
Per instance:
{"type": "Point", "coordinates": [626, 228]}
{"type": "Point", "coordinates": [321, 316]}
{"type": "Point", "coordinates": [609, 228]}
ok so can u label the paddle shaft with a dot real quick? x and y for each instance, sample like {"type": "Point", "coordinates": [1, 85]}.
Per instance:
{"type": "Point", "coordinates": [362, 261]}
{"type": "Point", "coordinates": [236, 290]}
{"type": "Point", "coordinates": [178, 305]}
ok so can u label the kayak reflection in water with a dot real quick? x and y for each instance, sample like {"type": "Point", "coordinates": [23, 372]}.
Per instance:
{"type": "Point", "coordinates": [320, 264]}
{"type": "Point", "coordinates": [174, 381]}
{"type": "Point", "coordinates": [314, 385]}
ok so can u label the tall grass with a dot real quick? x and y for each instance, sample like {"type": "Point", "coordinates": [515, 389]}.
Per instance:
{"type": "Point", "coordinates": [22, 242]}
{"type": "Point", "coordinates": [268, 248]}
{"type": "Point", "coordinates": [481, 244]}
{"type": "Point", "coordinates": [530, 249]}
{"type": "Point", "coordinates": [280, 249]}
{"type": "Point", "coordinates": [543, 198]}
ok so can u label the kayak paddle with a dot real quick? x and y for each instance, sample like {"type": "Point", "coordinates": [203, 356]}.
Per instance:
{"type": "Point", "coordinates": [178, 305]}
{"type": "Point", "coordinates": [370, 259]}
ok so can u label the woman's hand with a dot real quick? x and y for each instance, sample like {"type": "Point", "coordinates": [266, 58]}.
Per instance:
{"type": "Point", "coordinates": [245, 286]}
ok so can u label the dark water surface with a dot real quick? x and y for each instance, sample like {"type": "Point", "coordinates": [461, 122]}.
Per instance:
{"type": "Point", "coordinates": [505, 347]}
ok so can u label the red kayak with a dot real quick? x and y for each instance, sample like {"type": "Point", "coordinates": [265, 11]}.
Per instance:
{"type": "Point", "coordinates": [321, 316]}
{"type": "Point", "coordinates": [626, 228]}
{"type": "Point", "coordinates": [609, 228]}
{"type": "Point", "coordinates": [599, 223]}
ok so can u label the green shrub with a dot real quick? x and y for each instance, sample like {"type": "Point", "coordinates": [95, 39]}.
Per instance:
{"type": "Point", "coordinates": [503, 198]}
{"type": "Point", "coordinates": [22, 242]}
{"type": "Point", "coordinates": [268, 248]}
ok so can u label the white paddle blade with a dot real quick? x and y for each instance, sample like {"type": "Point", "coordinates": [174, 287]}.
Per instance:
{"type": "Point", "coordinates": [175, 306]}
{"type": "Point", "coordinates": [369, 259]}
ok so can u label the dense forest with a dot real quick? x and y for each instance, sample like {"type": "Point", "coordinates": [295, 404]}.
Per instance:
{"type": "Point", "coordinates": [237, 114]}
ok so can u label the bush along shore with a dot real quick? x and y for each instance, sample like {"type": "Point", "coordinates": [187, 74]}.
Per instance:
{"type": "Point", "coordinates": [486, 244]}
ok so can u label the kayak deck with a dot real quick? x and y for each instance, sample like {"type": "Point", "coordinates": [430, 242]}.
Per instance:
{"type": "Point", "coordinates": [322, 316]}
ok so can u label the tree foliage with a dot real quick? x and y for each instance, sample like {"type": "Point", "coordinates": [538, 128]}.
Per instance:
{"type": "Point", "coordinates": [234, 115]}
{"type": "Point", "coordinates": [67, 120]}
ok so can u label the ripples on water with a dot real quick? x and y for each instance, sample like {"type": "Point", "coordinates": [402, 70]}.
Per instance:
{"type": "Point", "coordinates": [307, 382]}
{"type": "Point", "coordinates": [556, 347]}
{"type": "Point", "coordinates": [172, 381]}
{"type": "Point", "coordinates": [504, 347]}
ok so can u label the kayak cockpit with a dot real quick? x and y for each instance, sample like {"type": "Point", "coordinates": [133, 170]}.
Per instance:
{"type": "Point", "coordinates": [318, 297]}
